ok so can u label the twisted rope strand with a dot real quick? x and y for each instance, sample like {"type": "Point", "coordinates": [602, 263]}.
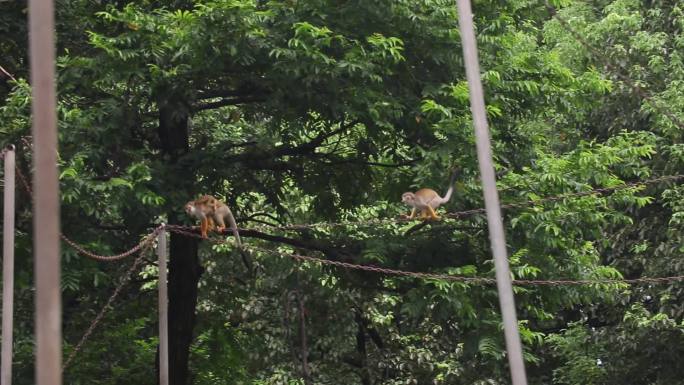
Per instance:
{"type": "Point", "coordinates": [147, 240]}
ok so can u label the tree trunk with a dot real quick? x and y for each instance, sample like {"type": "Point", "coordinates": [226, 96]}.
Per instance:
{"type": "Point", "coordinates": [364, 372]}
{"type": "Point", "coordinates": [184, 267]}
{"type": "Point", "coordinates": [184, 273]}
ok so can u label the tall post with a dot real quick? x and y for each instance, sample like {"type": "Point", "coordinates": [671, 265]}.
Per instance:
{"type": "Point", "coordinates": [8, 269]}
{"type": "Point", "coordinates": [46, 253]}
{"type": "Point", "coordinates": [491, 196]}
{"type": "Point", "coordinates": [162, 252]}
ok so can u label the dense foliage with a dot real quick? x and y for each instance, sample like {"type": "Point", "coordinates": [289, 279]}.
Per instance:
{"type": "Point", "coordinates": [307, 111]}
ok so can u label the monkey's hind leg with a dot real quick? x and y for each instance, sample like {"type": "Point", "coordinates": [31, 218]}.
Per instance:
{"type": "Point", "coordinates": [433, 214]}
{"type": "Point", "coordinates": [220, 225]}
{"type": "Point", "coordinates": [204, 225]}
{"type": "Point", "coordinates": [210, 224]}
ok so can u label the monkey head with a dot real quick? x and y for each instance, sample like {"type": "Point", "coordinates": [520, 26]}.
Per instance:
{"type": "Point", "coordinates": [409, 198]}
{"type": "Point", "coordinates": [190, 209]}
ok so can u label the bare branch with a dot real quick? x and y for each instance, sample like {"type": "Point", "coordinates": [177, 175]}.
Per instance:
{"type": "Point", "coordinates": [229, 102]}
{"type": "Point", "coordinates": [9, 75]}
{"type": "Point", "coordinates": [369, 163]}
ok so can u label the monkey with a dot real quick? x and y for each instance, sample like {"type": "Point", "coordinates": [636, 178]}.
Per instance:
{"type": "Point", "coordinates": [221, 211]}
{"type": "Point", "coordinates": [202, 208]}
{"type": "Point", "coordinates": [212, 211]}
{"type": "Point", "coordinates": [209, 210]}
{"type": "Point", "coordinates": [427, 200]}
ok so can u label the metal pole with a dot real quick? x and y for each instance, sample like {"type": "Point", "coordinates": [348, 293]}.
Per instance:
{"type": "Point", "coordinates": [8, 269]}
{"type": "Point", "coordinates": [163, 311]}
{"type": "Point", "coordinates": [491, 196]}
{"type": "Point", "coordinates": [48, 326]}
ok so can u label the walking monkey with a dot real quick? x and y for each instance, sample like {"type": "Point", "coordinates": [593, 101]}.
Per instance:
{"type": "Point", "coordinates": [210, 211]}
{"type": "Point", "coordinates": [427, 200]}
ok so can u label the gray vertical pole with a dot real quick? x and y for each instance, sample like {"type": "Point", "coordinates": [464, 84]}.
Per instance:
{"type": "Point", "coordinates": [163, 311]}
{"type": "Point", "coordinates": [491, 196]}
{"type": "Point", "coordinates": [46, 254]}
{"type": "Point", "coordinates": [8, 269]}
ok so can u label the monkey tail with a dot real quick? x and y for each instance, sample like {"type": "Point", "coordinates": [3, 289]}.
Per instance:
{"type": "Point", "coordinates": [450, 191]}
{"type": "Point", "coordinates": [233, 228]}
{"type": "Point", "coordinates": [246, 259]}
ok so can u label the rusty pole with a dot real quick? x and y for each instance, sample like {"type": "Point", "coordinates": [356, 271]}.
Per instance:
{"type": "Point", "coordinates": [46, 254]}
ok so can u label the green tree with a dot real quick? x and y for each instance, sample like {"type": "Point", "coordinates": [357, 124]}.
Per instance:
{"type": "Point", "coordinates": [326, 111]}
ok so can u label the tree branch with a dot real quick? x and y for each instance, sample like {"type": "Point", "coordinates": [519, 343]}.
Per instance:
{"type": "Point", "coordinates": [210, 94]}
{"type": "Point", "coordinates": [229, 102]}
{"type": "Point", "coordinates": [279, 151]}
{"type": "Point", "coordinates": [9, 75]}
{"type": "Point", "coordinates": [329, 250]}
{"type": "Point", "coordinates": [261, 214]}
{"type": "Point", "coordinates": [378, 164]}
{"type": "Point", "coordinates": [416, 228]}
{"type": "Point", "coordinates": [314, 143]}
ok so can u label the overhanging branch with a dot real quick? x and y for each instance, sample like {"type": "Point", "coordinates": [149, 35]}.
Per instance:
{"type": "Point", "coordinates": [229, 102]}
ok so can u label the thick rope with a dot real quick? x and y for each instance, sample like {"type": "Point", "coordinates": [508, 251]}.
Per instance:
{"type": "Point", "coordinates": [149, 238]}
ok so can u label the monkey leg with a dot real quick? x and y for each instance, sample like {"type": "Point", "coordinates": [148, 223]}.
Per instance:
{"type": "Point", "coordinates": [413, 213]}
{"type": "Point", "coordinates": [433, 214]}
{"type": "Point", "coordinates": [204, 224]}
{"type": "Point", "coordinates": [210, 224]}
{"type": "Point", "coordinates": [220, 224]}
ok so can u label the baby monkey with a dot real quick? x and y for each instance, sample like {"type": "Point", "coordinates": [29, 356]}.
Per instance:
{"type": "Point", "coordinates": [211, 210]}
{"type": "Point", "coordinates": [427, 200]}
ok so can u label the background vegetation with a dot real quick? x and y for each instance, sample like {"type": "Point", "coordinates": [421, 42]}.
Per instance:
{"type": "Point", "coordinates": [303, 111]}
